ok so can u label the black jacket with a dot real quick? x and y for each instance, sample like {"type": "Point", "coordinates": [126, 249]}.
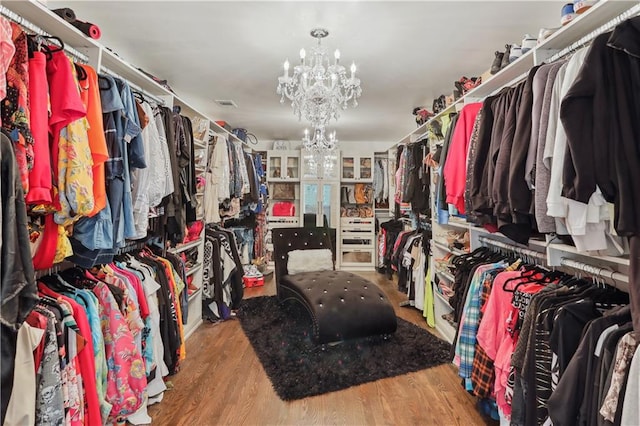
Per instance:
{"type": "Point", "coordinates": [601, 116]}
{"type": "Point", "coordinates": [17, 288]}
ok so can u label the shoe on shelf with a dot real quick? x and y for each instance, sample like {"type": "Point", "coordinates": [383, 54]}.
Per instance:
{"type": "Point", "coordinates": [506, 60]}
{"type": "Point", "coordinates": [515, 52]}
{"type": "Point", "coordinates": [545, 33]}
{"type": "Point", "coordinates": [567, 14]}
{"type": "Point", "coordinates": [496, 65]}
{"type": "Point", "coordinates": [581, 6]}
{"type": "Point", "coordinates": [528, 43]}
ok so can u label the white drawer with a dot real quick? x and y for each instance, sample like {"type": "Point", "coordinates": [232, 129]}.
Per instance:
{"type": "Point", "coordinates": [358, 239]}
{"type": "Point", "coordinates": [358, 221]}
{"type": "Point", "coordinates": [357, 256]}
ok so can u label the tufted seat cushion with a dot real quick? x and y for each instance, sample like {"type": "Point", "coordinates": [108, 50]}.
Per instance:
{"type": "Point", "coordinates": [342, 305]}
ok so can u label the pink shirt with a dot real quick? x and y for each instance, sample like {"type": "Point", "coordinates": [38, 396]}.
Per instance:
{"type": "Point", "coordinates": [455, 166]}
{"type": "Point", "coordinates": [126, 379]}
{"type": "Point", "coordinates": [493, 336]}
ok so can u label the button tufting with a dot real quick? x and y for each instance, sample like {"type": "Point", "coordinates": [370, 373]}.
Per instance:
{"type": "Point", "coordinates": [348, 281]}
{"type": "Point", "coordinates": [342, 300]}
{"type": "Point", "coordinates": [306, 244]}
{"type": "Point", "coordinates": [295, 234]}
{"type": "Point", "coordinates": [289, 244]}
{"type": "Point", "coordinates": [320, 304]}
{"type": "Point", "coordinates": [308, 288]}
{"type": "Point", "coordinates": [325, 291]}
{"type": "Point", "coordinates": [281, 235]}
{"type": "Point", "coordinates": [345, 289]}
{"type": "Point", "coordinates": [362, 297]}
{"type": "Point", "coordinates": [365, 287]}
{"type": "Point", "coordinates": [283, 257]}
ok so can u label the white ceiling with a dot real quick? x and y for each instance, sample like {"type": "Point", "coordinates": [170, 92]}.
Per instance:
{"type": "Point", "coordinates": [406, 52]}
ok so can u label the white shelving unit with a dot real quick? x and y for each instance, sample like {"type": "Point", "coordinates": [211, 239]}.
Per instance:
{"type": "Point", "coordinates": [104, 60]}
{"type": "Point", "coordinates": [582, 29]}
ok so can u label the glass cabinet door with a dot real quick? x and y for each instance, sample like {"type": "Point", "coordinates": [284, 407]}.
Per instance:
{"type": "Point", "coordinates": [293, 167]}
{"type": "Point", "coordinates": [348, 168]}
{"type": "Point", "coordinates": [366, 168]}
{"type": "Point", "coordinates": [310, 198]}
{"type": "Point", "coordinates": [331, 168]}
{"type": "Point", "coordinates": [309, 165]}
{"type": "Point", "coordinates": [326, 205]}
{"type": "Point", "coordinates": [275, 167]}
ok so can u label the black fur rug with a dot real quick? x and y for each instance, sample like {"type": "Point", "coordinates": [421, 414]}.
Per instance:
{"type": "Point", "coordinates": [299, 368]}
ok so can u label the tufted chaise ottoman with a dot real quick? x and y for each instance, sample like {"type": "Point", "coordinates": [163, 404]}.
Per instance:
{"type": "Point", "coordinates": [342, 305]}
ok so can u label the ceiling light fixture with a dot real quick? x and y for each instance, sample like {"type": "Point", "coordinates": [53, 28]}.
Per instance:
{"type": "Point", "coordinates": [319, 141]}
{"type": "Point", "coordinates": [318, 88]}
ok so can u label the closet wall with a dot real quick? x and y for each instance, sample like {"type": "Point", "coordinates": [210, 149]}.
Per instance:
{"type": "Point", "coordinates": [530, 342]}
{"type": "Point", "coordinates": [124, 321]}
{"type": "Point", "coordinates": [603, 15]}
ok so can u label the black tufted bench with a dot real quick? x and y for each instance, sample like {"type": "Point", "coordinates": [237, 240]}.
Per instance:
{"type": "Point", "coordinates": [342, 305]}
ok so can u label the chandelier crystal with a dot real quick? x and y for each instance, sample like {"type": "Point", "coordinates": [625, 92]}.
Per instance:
{"type": "Point", "coordinates": [318, 88]}
{"type": "Point", "coordinates": [319, 141]}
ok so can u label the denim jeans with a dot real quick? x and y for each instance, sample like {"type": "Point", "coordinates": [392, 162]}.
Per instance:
{"type": "Point", "coordinates": [244, 237]}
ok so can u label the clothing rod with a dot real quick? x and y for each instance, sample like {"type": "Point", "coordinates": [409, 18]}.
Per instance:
{"type": "Point", "coordinates": [133, 86]}
{"type": "Point", "coordinates": [34, 28]}
{"type": "Point", "coordinates": [523, 251]}
{"type": "Point", "coordinates": [596, 271]}
{"type": "Point", "coordinates": [635, 10]}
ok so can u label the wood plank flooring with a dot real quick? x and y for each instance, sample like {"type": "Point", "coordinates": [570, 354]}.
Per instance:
{"type": "Point", "coordinates": [222, 383]}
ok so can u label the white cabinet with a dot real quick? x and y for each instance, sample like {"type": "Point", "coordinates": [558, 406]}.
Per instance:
{"type": "Point", "coordinates": [323, 166]}
{"type": "Point", "coordinates": [320, 202]}
{"type": "Point", "coordinates": [283, 166]}
{"type": "Point", "coordinates": [357, 168]}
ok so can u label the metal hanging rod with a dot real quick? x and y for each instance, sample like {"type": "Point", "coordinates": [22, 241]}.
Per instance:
{"type": "Point", "coordinates": [37, 30]}
{"type": "Point", "coordinates": [635, 10]}
{"type": "Point", "coordinates": [57, 267]}
{"type": "Point", "coordinates": [133, 86]}
{"type": "Point", "coordinates": [595, 271]}
{"type": "Point", "coordinates": [131, 246]}
{"type": "Point", "coordinates": [519, 250]}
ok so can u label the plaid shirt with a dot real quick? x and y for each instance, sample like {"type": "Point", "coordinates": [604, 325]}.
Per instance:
{"type": "Point", "coordinates": [466, 345]}
{"type": "Point", "coordinates": [483, 374]}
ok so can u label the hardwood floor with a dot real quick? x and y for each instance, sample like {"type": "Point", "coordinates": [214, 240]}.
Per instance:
{"type": "Point", "coordinates": [222, 383]}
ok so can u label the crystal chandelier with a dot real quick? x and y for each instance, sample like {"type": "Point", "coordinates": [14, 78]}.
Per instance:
{"type": "Point", "coordinates": [318, 89]}
{"type": "Point", "coordinates": [319, 141]}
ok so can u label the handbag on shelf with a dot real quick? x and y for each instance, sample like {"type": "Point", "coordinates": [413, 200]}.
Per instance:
{"type": "Point", "coordinates": [284, 208]}
{"type": "Point", "coordinates": [284, 191]}
{"type": "Point", "coordinates": [245, 136]}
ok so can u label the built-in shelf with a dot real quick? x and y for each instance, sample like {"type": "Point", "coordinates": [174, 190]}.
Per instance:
{"type": "Point", "coordinates": [118, 66]}
{"type": "Point", "coordinates": [455, 251]}
{"type": "Point", "coordinates": [38, 14]}
{"type": "Point", "coordinates": [195, 268]}
{"type": "Point", "coordinates": [556, 253]}
{"type": "Point", "coordinates": [448, 276]}
{"type": "Point", "coordinates": [505, 77]}
{"type": "Point", "coordinates": [421, 131]}
{"type": "Point", "coordinates": [187, 246]}
{"type": "Point", "coordinates": [195, 294]}
{"type": "Point", "coordinates": [457, 223]}
{"type": "Point", "coordinates": [599, 14]}
{"type": "Point", "coordinates": [442, 297]}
